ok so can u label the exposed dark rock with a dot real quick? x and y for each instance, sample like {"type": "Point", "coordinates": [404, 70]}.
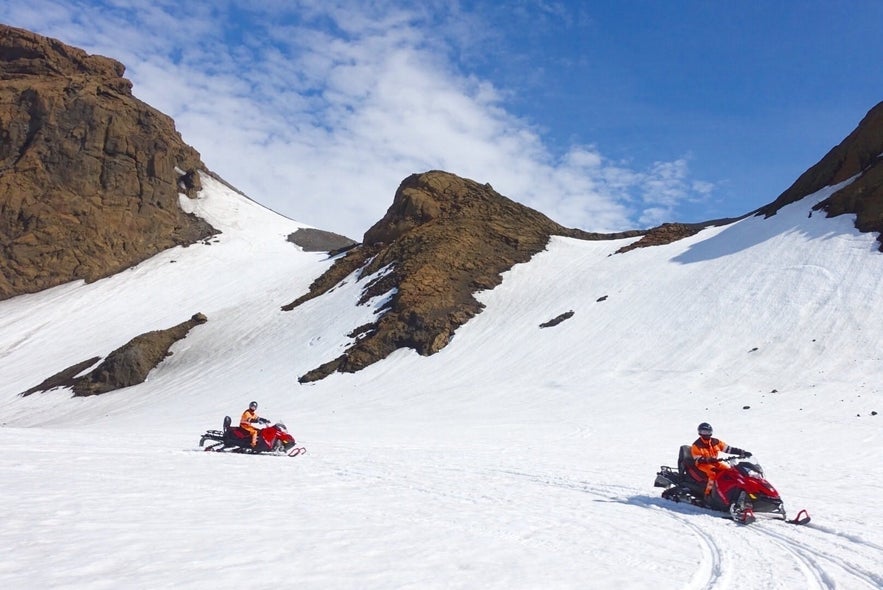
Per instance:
{"type": "Point", "coordinates": [317, 240]}
{"type": "Point", "coordinates": [444, 238]}
{"type": "Point", "coordinates": [665, 234]}
{"type": "Point", "coordinates": [125, 366]}
{"type": "Point", "coordinates": [859, 153]}
{"type": "Point", "coordinates": [557, 319]}
{"type": "Point", "coordinates": [90, 179]}
{"type": "Point", "coordinates": [130, 364]}
{"type": "Point", "coordinates": [89, 175]}
{"type": "Point", "coordinates": [65, 378]}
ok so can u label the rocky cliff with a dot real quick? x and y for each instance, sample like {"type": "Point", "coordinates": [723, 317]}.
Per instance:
{"type": "Point", "coordinates": [860, 155]}
{"type": "Point", "coordinates": [444, 238]}
{"type": "Point", "coordinates": [89, 175]}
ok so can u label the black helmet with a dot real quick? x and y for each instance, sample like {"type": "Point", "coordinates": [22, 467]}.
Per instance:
{"type": "Point", "coordinates": [705, 429]}
{"type": "Point", "coordinates": [253, 406]}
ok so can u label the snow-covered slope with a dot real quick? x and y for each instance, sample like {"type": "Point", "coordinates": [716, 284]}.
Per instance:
{"type": "Point", "coordinates": [517, 457]}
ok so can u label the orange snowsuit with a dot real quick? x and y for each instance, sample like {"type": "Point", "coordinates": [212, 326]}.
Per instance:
{"type": "Point", "coordinates": [248, 417]}
{"type": "Point", "coordinates": [708, 449]}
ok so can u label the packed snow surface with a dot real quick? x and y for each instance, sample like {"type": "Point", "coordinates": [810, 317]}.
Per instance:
{"type": "Point", "coordinates": [517, 457]}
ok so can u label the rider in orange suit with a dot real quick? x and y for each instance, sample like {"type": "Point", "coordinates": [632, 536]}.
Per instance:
{"type": "Point", "coordinates": [705, 451]}
{"type": "Point", "coordinates": [249, 417]}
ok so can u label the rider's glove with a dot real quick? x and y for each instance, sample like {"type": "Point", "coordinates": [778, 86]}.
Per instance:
{"type": "Point", "coordinates": [738, 451]}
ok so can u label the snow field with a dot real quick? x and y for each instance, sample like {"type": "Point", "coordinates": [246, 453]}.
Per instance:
{"type": "Point", "coordinates": [517, 457]}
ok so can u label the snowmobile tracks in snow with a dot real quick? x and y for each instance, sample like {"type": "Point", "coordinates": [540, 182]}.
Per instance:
{"type": "Point", "coordinates": [816, 558]}
{"type": "Point", "coordinates": [817, 553]}
{"type": "Point", "coordinates": [783, 555]}
{"type": "Point", "coordinates": [711, 569]}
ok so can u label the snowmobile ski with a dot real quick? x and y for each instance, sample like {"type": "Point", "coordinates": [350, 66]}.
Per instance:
{"type": "Point", "coordinates": [296, 451]}
{"type": "Point", "coordinates": [801, 518]}
{"type": "Point", "coordinates": [744, 515]}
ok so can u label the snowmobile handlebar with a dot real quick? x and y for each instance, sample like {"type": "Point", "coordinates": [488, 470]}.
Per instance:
{"type": "Point", "coordinates": [720, 460]}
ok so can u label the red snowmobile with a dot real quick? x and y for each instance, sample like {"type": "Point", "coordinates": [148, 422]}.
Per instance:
{"type": "Point", "coordinates": [272, 439]}
{"type": "Point", "coordinates": [741, 491]}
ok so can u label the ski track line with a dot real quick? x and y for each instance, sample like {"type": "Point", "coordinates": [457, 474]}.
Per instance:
{"type": "Point", "coordinates": [385, 473]}
{"type": "Point", "coordinates": [812, 555]}
{"type": "Point", "coordinates": [815, 576]}
{"type": "Point", "coordinates": [27, 335]}
{"type": "Point", "coordinates": [566, 484]}
{"type": "Point", "coordinates": [710, 572]}
{"type": "Point", "coordinates": [418, 481]}
{"type": "Point", "coordinates": [810, 567]}
{"type": "Point", "coordinates": [421, 481]}
{"type": "Point", "coordinates": [851, 538]}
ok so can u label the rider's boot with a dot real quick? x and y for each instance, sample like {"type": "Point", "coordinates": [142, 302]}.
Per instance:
{"type": "Point", "coordinates": [708, 489]}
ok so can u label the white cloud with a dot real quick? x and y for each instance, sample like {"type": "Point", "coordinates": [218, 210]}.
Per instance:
{"type": "Point", "coordinates": [320, 110]}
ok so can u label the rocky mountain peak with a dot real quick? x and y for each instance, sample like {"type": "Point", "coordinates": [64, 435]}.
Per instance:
{"type": "Point", "coordinates": [859, 155]}
{"type": "Point", "coordinates": [430, 201]}
{"type": "Point", "coordinates": [23, 53]}
{"type": "Point", "coordinates": [443, 239]}
{"type": "Point", "coordinates": [90, 176]}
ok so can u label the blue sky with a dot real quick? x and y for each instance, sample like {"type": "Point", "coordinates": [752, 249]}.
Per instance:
{"type": "Point", "coordinates": [603, 115]}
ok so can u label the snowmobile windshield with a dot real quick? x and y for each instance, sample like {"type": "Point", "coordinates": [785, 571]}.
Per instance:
{"type": "Point", "coordinates": [280, 426]}
{"type": "Point", "coordinates": [752, 469]}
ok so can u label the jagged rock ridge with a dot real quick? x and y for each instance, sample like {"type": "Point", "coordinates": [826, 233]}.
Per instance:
{"type": "Point", "coordinates": [861, 153]}
{"type": "Point", "coordinates": [126, 366]}
{"type": "Point", "coordinates": [444, 238]}
{"type": "Point", "coordinates": [89, 175]}
{"type": "Point", "coordinates": [90, 178]}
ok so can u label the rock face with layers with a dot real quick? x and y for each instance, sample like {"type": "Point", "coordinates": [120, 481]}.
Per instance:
{"type": "Point", "coordinates": [861, 155]}
{"type": "Point", "coordinates": [443, 239]}
{"type": "Point", "coordinates": [89, 175]}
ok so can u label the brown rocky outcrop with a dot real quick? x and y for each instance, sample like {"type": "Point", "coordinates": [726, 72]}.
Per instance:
{"type": "Point", "coordinates": [443, 239]}
{"type": "Point", "coordinates": [664, 234]}
{"type": "Point", "coordinates": [89, 175]}
{"type": "Point", "coordinates": [859, 154]}
{"type": "Point", "coordinates": [317, 240]}
{"type": "Point", "coordinates": [126, 366]}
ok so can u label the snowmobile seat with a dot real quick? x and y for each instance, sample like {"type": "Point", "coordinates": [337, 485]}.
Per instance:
{"type": "Point", "coordinates": [235, 436]}
{"type": "Point", "coordinates": [238, 433]}
{"type": "Point", "coordinates": [687, 466]}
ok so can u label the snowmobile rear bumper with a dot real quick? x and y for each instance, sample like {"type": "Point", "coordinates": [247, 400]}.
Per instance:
{"type": "Point", "coordinates": [215, 435]}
